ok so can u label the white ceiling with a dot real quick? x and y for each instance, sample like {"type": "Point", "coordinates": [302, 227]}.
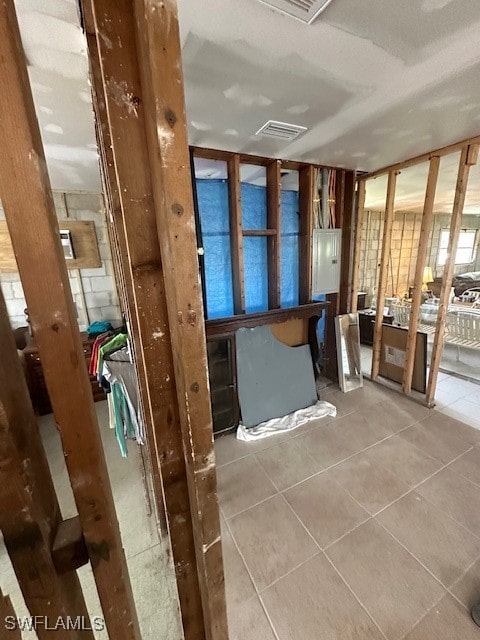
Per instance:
{"type": "Point", "coordinates": [375, 81]}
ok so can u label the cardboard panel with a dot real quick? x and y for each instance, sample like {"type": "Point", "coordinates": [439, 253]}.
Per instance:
{"type": "Point", "coordinates": [84, 241]}
{"type": "Point", "coordinates": [393, 356]}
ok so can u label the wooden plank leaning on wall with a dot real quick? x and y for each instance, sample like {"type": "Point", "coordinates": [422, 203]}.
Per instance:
{"type": "Point", "coordinates": [30, 213]}
{"type": "Point", "coordinates": [425, 231]}
{"type": "Point", "coordinates": [361, 192]}
{"type": "Point", "coordinates": [383, 274]}
{"type": "Point", "coordinates": [236, 233]}
{"type": "Point", "coordinates": [468, 158]}
{"type": "Point", "coordinates": [159, 49]}
{"type": "Point", "coordinates": [274, 216]}
{"type": "Point", "coordinates": [113, 23]}
{"type": "Point", "coordinates": [29, 512]}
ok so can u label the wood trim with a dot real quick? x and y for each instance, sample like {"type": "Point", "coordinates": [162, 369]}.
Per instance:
{"type": "Point", "coordinates": [358, 243]}
{"type": "Point", "coordinates": [226, 326]}
{"type": "Point", "coordinates": [30, 213]}
{"type": "Point", "coordinates": [426, 229]}
{"type": "Point", "coordinates": [123, 129]}
{"type": "Point", "coordinates": [274, 214]}
{"type": "Point", "coordinates": [383, 275]}
{"type": "Point", "coordinates": [424, 157]}
{"type": "Point", "coordinates": [236, 233]}
{"type": "Point", "coordinates": [468, 157]}
{"type": "Point", "coordinates": [29, 511]}
{"type": "Point", "coordinates": [159, 49]}
{"type": "Point", "coordinates": [306, 179]}
{"type": "Point", "coordinates": [260, 232]}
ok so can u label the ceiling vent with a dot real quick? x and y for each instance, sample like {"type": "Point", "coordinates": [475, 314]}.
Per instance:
{"type": "Point", "coordinates": [304, 10]}
{"type": "Point", "coordinates": [282, 130]}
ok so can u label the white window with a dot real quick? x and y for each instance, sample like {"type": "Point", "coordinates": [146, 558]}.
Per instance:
{"type": "Point", "coordinates": [465, 250]}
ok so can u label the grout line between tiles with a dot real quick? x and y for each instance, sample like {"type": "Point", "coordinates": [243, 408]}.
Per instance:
{"type": "Point", "coordinates": [424, 615]}
{"type": "Point", "coordinates": [449, 589]}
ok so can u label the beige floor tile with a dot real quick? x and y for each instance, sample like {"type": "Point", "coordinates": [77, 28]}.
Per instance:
{"type": "Point", "coordinates": [393, 414]}
{"type": "Point", "coordinates": [247, 621]}
{"type": "Point", "coordinates": [468, 465]}
{"type": "Point", "coordinates": [325, 508]}
{"type": "Point", "coordinates": [271, 539]}
{"type": "Point", "coordinates": [406, 461]}
{"type": "Point", "coordinates": [238, 585]}
{"type": "Point", "coordinates": [372, 485]}
{"type": "Point", "coordinates": [442, 545]}
{"type": "Point", "coordinates": [361, 431]}
{"type": "Point", "coordinates": [392, 585]}
{"type": "Point", "coordinates": [242, 484]}
{"type": "Point", "coordinates": [447, 620]}
{"type": "Point", "coordinates": [313, 603]}
{"type": "Point", "coordinates": [326, 445]}
{"type": "Point", "coordinates": [467, 588]}
{"type": "Point", "coordinates": [457, 496]}
{"type": "Point", "coordinates": [228, 448]}
{"type": "Point", "coordinates": [435, 436]}
{"type": "Point", "coordinates": [287, 463]}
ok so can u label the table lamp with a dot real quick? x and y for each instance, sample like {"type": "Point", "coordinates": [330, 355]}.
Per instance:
{"type": "Point", "coordinates": [427, 277]}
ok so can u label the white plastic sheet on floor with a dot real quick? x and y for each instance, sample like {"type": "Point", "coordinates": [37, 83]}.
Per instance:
{"type": "Point", "coordinates": [320, 409]}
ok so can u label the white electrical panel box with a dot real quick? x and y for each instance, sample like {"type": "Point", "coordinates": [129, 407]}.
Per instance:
{"type": "Point", "coordinates": [327, 246]}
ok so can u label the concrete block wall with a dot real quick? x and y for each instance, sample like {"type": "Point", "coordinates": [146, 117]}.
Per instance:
{"type": "Point", "coordinates": [98, 284]}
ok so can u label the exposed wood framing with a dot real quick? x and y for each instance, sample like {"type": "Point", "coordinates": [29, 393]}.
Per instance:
{"type": "Point", "coordinates": [159, 45]}
{"type": "Point", "coordinates": [468, 158]}
{"type": "Point", "coordinates": [136, 222]}
{"type": "Point", "coordinates": [30, 213]}
{"type": "Point", "coordinates": [348, 243]}
{"type": "Point", "coordinates": [306, 179]}
{"type": "Point", "coordinates": [358, 243]}
{"type": "Point", "coordinates": [383, 272]}
{"type": "Point", "coordinates": [29, 511]}
{"type": "Point", "coordinates": [259, 233]}
{"type": "Point", "coordinates": [424, 157]}
{"type": "Point", "coordinates": [274, 196]}
{"type": "Point", "coordinates": [426, 229]}
{"type": "Point", "coordinates": [236, 233]}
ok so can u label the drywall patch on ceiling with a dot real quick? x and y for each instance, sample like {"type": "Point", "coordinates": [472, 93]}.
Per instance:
{"type": "Point", "coordinates": [53, 128]}
{"type": "Point", "coordinates": [243, 96]}
{"type": "Point", "coordinates": [201, 126]}
{"type": "Point", "coordinates": [298, 109]}
{"type": "Point", "coordinates": [434, 5]}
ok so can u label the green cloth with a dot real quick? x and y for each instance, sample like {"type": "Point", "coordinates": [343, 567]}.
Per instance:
{"type": "Point", "coordinates": [123, 422]}
{"type": "Point", "coordinates": [117, 342]}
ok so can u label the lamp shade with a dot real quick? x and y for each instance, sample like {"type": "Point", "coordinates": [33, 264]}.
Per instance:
{"type": "Point", "coordinates": [427, 275]}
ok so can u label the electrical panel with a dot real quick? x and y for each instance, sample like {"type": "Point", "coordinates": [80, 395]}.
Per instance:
{"type": "Point", "coordinates": [326, 254]}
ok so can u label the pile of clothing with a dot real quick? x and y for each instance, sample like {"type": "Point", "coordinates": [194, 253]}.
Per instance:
{"type": "Point", "coordinates": [111, 362]}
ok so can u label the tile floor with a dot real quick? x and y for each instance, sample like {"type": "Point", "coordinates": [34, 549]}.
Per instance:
{"type": "Point", "coordinates": [361, 527]}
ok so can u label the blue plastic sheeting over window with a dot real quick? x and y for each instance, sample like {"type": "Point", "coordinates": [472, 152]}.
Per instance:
{"type": "Point", "coordinates": [254, 206]}
{"type": "Point", "coordinates": [212, 198]}
{"type": "Point", "coordinates": [214, 218]}
{"type": "Point", "coordinates": [289, 256]}
{"type": "Point", "coordinates": [256, 273]}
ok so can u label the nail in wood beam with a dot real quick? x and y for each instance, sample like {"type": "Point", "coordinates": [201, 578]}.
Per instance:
{"type": "Point", "coordinates": [236, 233]}
{"type": "Point", "coordinates": [425, 231]}
{"type": "Point", "coordinates": [274, 197]}
{"type": "Point", "coordinates": [162, 84]}
{"type": "Point", "coordinates": [30, 213]}
{"type": "Point", "coordinates": [358, 243]}
{"type": "Point", "coordinates": [112, 47]}
{"type": "Point", "coordinates": [306, 178]}
{"type": "Point", "coordinates": [468, 158]}
{"type": "Point", "coordinates": [383, 274]}
{"type": "Point", "coordinates": [29, 511]}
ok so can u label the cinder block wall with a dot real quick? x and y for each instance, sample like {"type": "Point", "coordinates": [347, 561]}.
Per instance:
{"type": "Point", "coordinates": [98, 284]}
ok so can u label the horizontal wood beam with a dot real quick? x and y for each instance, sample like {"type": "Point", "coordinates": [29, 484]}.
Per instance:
{"type": "Point", "coordinates": [259, 232]}
{"type": "Point", "coordinates": [424, 157]}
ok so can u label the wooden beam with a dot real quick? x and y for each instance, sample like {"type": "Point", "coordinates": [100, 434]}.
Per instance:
{"type": "Point", "coordinates": [361, 192]}
{"type": "Point", "coordinates": [348, 242]}
{"type": "Point", "coordinates": [30, 213]}
{"type": "Point", "coordinates": [236, 233]}
{"type": "Point", "coordinates": [468, 158]}
{"type": "Point", "coordinates": [425, 231]}
{"type": "Point", "coordinates": [69, 551]}
{"type": "Point", "coordinates": [29, 511]}
{"type": "Point", "coordinates": [274, 215]}
{"type": "Point", "coordinates": [123, 128]}
{"type": "Point", "coordinates": [306, 179]}
{"type": "Point", "coordinates": [159, 44]}
{"type": "Point", "coordinates": [383, 272]}
{"type": "Point", "coordinates": [424, 157]}
{"type": "Point", "coordinates": [259, 233]}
